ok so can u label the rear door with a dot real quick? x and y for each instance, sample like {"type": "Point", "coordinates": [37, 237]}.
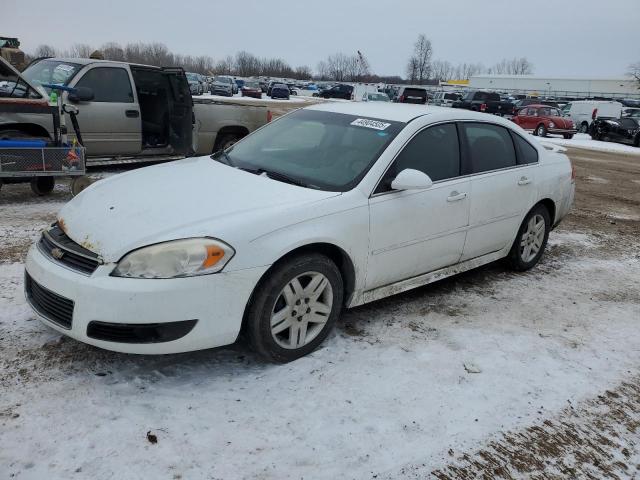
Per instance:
{"type": "Point", "coordinates": [181, 115]}
{"type": "Point", "coordinates": [503, 186]}
{"type": "Point", "coordinates": [110, 124]}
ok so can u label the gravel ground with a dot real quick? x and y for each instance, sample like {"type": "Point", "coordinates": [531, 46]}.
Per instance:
{"type": "Point", "coordinates": [486, 375]}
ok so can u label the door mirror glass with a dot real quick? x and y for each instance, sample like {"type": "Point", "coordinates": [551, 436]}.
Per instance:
{"type": "Point", "coordinates": [410, 179]}
{"type": "Point", "coordinates": [81, 94]}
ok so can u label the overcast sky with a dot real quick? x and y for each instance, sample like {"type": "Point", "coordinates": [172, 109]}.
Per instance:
{"type": "Point", "coordinates": [560, 37]}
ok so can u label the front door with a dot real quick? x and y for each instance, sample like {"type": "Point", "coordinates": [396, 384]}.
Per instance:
{"type": "Point", "coordinates": [416, 231]}
{"type": "Point", "coordinates": [110, 124]}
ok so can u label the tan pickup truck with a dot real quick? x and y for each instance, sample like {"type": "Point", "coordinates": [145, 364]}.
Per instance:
{"type": "Point", "coordinates": [136, 112]}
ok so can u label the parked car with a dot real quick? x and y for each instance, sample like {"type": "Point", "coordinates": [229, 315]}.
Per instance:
{"type": "Point", "coordinates": [137, 113]}
{"type": "Point", "coordinates": [584, 112]}
{"type": "Point", "coordinates": [525, 102]}
{"type": "Point", "coordinates": [487, 102]}
{"type": "Point", "coordinates": [416, 95]}
{"type": "Point", "coordinates": [264, 86]}
{"type": "Point", "coordinates": [329, 207]}
{"type": "Point", "coordinates": [375, 97]}
{"type": "Point", "coordinates": [280, 90]}
{"type": "Point", "coordinates": [621, 130]}
{"type": "Point", "coordinates": [195, 85]}
{"type": "Point", "coordinates": [292, 89]}
{"type": "Point", "coordinates": [338, 91]}
{"type": "Point", "coordinates": [542, 119]}
{"type": "Point", "coordinates": [445, 99]}
{"type": "Point", "coordinates": [239, 84]}
{"type": "Point", "coordinates": [222, 85]}
{"type": "Point", "coordinates": [251, 89]}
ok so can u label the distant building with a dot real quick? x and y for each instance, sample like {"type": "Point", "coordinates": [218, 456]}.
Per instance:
{"type": "Point", "coordinates": [554, 86]}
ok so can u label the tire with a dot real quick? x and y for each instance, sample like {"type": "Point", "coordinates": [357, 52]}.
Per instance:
{"type": "Point", "coordinates": [518, 258]}
{"type": "Point", "coordinates": [225, 141]}
{"type": "Point", "coordinates": [584, 127]}
{"type": "Point", "coordinates": [279, 340]}
{"type": "Point", "coordinates": [42, 185]}
{"type": "Point", "coordinates": [78, 184]}
{"type": "Point", "coordinates": [568, 136]}
{"type": "Point", "coordinates": [541, 130]}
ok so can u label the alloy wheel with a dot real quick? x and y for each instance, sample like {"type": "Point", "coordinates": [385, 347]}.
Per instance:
{"type": "Point", "coordinates": [532, 238]}
{"type": "Point", "coordinates": [301, 310]}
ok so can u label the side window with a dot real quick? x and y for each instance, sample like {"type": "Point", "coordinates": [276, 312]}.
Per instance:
{"type": "Point", "coordinates": [108, 84]}
{"type": "Point", "coordinates": [434, 151]}
{"type": "Point", "coordinates": [489, 147]}
{"type": "Point", "coordinates": [526, 152]}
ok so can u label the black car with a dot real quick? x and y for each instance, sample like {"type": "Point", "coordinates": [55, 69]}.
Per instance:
{"type": "Point", "coordinates": [621, 130]}
{"type": "Point", "coordinates": [525, 102]}
{"type": "Point", "coordinates": [412, 95]}
{"type": "Point", "coordinates": [488, 102]}
{"type": "Point", "coordinates": [338, 91]}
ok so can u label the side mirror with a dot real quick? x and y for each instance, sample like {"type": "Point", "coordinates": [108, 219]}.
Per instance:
{"type": "Point", "coordinates": [81, 94]}
{"type": "Point", "coordinates": [410, 179]}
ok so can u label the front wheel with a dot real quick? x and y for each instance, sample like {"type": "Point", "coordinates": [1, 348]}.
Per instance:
{"type": "Point", "coordinates": [568, 136]}
{"type": "Point", "coordinates": [541, 131]}
{"type": "Point", "coordinates": [225, 141]}
{"type": "Point", "coordinates": [294, 308]}
{"type": "Point", "coordinates": [531, 239]}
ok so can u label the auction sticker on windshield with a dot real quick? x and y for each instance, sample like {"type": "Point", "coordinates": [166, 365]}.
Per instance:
{"type": "Point", "coordinates": [365, 122]}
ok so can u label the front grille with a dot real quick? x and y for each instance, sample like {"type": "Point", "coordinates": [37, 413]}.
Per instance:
{"type": "Point", "coordinates": [50, 305]}
{"type": "Point", "coordinates": [56, 245]}
{"type": "Point", "coordinates": [139, 332]}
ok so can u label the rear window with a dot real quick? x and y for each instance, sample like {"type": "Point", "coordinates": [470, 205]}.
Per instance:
{"type": "Point", "coordinates": [494, 97]}
{"type": "Point", "coordinates": [489, 147]}
{"type": "Point", "coordinates": [415, 92]}
{"type": "Point", "coordinates": [526, 152]}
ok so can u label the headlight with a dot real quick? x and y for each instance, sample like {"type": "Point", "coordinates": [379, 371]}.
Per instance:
{"type": "Point", "coordinates": [177, 258]}
{"type": "Point", "coordinates": [551, 124]}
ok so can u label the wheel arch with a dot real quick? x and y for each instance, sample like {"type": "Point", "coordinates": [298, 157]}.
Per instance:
{"type": "Point", "coordinates": [338, 255]}
{"type": "Point", "coordinates": [239, 130]}
{"type": "Point", "coordinates": [550, 205]}
{"type": "Point", "coordinates": [32, 129]}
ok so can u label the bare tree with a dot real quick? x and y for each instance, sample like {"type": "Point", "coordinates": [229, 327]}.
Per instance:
{"type": "Point", "coordinates": [419, 65]}
{"type": "Point", "coordinates": [113, 51]}
{"type": "Point", "coordinates": [44, 51]}
{"type": "Point", "coordinates": [246, 64]}
{"type": "Point", "coordinates": [79, 50]}
{"type": "Point", "coordinates": [634, 71]}
{"type": "Point", "coordinates": [442, 70]}
{"type": "Point", "coordinates": [513, 66]}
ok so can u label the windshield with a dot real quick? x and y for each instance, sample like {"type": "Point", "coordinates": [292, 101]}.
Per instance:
{"type": "Point", "coordinates": [378, 97]}
{"type": "Point", "coordinates": [222, 79]}
{"type": "Point", "coordinates": [51, 71]}
{"type": "Point", "coordinates": [255, 85]}
{"type": "Point", "coordinates": [550, 112]}
{"type": "Point", "coordinates": [324, 150]}
{"type": "Point", "coordinates": [192, 76]}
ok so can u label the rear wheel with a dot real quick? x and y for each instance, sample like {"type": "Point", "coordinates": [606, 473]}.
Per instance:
{"type": "Point", "coordinates": [531, 239]}
{"type": "Point", "coordinates": [568, 136]}
{"type": "Point", "coordinates": [225, 141]}
{"type": "Point", "coordinates": [42, 185]}
{"type": "Point", "coordinates": [294, 308]}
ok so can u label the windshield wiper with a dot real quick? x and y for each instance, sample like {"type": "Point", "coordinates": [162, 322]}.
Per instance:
{"type": "Point", "coordinates": [218, 157]}
{"type": "Point", "coordinates": [282, 177]}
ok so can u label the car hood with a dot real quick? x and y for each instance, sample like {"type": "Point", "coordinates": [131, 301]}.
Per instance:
{"type": "Point", "coordinates": [195, 197]}
{"type": "Point", "coordinates": [561, 122]}
{"type": "Point", "coordinates": [222, 84]}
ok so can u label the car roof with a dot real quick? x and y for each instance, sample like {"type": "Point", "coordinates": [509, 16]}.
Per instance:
{"type": "Point", "coordinates": [88, 61]}
{"type": "Point", "coordinates": [396, 112]}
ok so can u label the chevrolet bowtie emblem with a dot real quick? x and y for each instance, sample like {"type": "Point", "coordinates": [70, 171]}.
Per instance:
{"type": "Point", "coordinates": [57, 253]}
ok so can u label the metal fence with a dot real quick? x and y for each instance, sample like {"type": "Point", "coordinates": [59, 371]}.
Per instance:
{"type": "Point", "coordinates": [32, 162]}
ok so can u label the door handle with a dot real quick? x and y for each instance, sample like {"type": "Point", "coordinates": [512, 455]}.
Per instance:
{"type": "Point", "coordinates": [132, 113]}
{"type": "Point", "coordinates": [455, 196]}
{"type": "Point", "coordinates": [524, 181]}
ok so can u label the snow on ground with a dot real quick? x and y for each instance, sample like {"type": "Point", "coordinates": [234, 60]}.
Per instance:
{"type": "Point", "coordinates": [582, 140]}
{"type": "Point", "coordinates": [388, 391]}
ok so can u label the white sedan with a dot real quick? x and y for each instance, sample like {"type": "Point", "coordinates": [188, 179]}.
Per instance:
{"type": "Point", "coordinates": [326, 208]}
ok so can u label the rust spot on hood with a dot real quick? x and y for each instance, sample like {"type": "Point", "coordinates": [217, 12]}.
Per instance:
{"type": "Point", "coordinates": [62, 225]}
{"type": "Point", "coordinates": [87, 244]}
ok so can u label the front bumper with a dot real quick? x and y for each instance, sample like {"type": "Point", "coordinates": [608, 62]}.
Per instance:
{"type": "Point", "coordinates": [221, 91]}
{"type": "Point", "coordinates": [216, 301]}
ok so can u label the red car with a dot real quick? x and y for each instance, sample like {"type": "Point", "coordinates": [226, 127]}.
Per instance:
{"type": "Point", "coordinates": [543, 119]}
{"type": "Point", "coordinates": [251, 89]}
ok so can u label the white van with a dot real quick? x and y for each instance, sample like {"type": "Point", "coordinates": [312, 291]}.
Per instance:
{"type": "Point", "coordinates": [584, 112]}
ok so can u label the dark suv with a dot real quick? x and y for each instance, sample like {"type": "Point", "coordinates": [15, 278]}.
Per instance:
{"type": "Point", "coordinates": [338, 91]}
{"type": "Point", "coordinates": [412, 95]}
